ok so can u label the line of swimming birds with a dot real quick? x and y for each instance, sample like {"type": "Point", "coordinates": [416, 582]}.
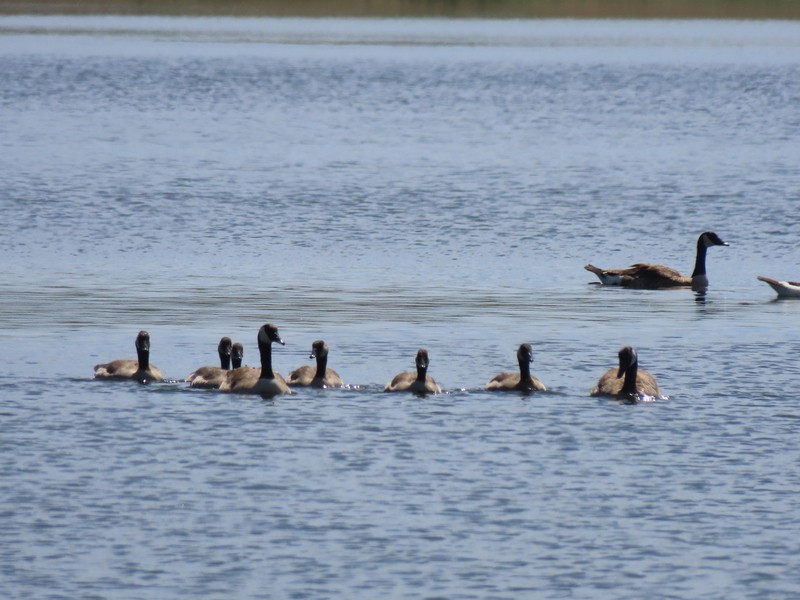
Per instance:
{"type": "Point", "coordinates": [232, 377]}
{"type": "Point", "coordinates": [627, 382]}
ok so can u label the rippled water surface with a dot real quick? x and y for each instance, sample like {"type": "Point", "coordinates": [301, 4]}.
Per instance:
{"type": "Point", "coordinates": [390, 185]}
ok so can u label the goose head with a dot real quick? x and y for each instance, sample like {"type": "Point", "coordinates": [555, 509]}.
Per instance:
{"type": "Point", "coordinates": [422, 361]}
{"type": "Point", "coordinates": [709, 238]}
{"type": "Point", "coordinates": [268, 334]}
{"type": "Point", "coordinates": [224, 347]}
{"type": "Point", "coordinates": [627, 359]}
{"type": "Point", "coordinates": [237, 355]}
{"type": "Point", "coordinates": [319, 349]}
{"type": "Point", "coordinates": [143, 342]}
{"type": "Point", "coordinates": [525, 354]}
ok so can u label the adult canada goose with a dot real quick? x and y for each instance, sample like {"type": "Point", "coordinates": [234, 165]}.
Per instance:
{"type": "Point", "coordinates": [126, 368]}
{"type": "Point", "coordinates": [319, 377]}
{"type": "Point", "coordinates": [653, 277]}
{"type": "Point", "coordinates": [785, 289]}
{"type": "Point", "coordinates": [212, 377]}
{"type": "Point", "coordinates": [522, 381]}
{"type": "Point", "coordinates": [264, 381]}
{"type": "Point", "coordinates": [636, 381]}
{"type": "Point", "coordinates": [418, 382]}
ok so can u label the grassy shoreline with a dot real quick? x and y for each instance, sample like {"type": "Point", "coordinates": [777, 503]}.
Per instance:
{"type": "Point", "coordinates": [589, 9]}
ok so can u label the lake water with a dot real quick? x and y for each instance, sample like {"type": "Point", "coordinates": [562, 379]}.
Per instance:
{"type": "Point", "coordinates": [388, 185]}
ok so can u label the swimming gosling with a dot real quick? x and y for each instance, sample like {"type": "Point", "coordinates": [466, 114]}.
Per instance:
{"type": "Point", "coordinates": [418, 382]}
{"type": "Point", "coordinates": [213, 377]}
{"type": "Point", "coordinates": [636, 381]}
{"type": "Point", "coordinates": [518, 382]}
{"type": "Point", "coordinates": [126, 368]}
{"type": "Point", "coordinates": [319, 377]}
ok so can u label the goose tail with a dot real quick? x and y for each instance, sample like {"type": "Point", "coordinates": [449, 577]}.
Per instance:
{"type": "Point", "coordinates": [597, 271]}
{"type": "Point", "coordinates": [784, 289]}
{"type": "Point", "coordinates": [772, 282]}
{"type": "Point", "coordinates": [605, 277]}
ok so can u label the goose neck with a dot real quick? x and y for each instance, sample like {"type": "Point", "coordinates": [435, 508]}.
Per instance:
{"type": "Point", "coordinates": [524, 369]}
{"type": "Point", "coordinates": [700, 260]}
{"type": "Point", "coordinates": [143, 356]}
{"type": "Point", "coordinates": [266, 361]}
{"type": "Point", "coordinates": [322, 365]}
{"type": "Point", "coordinates": [629, 385]}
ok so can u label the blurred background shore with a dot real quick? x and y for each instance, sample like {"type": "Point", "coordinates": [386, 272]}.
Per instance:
{"type": "Point", "coordinates": [646, 9]}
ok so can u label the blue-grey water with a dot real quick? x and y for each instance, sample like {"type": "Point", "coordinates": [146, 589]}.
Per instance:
{"type": "Point", "coordinates": [388, 185]}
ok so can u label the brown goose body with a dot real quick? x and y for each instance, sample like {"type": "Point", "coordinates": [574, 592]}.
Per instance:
{"type": "Point", "coordinates": [642, 276]}
{"type": "Point", "coordinates": [636, 381]}
{"type": "Point", "coordinates": [653, 277]}
{"type": "Point", "coordinates": [522, 381]}
{"type": "Point", "coordinates": [416, 382]}
{"type": "Point", "coordinates": [213, 377]}
{"type": "Point", "coordinates": [126, 368]}
{"type": "Point", "coordinates": [264, 381]}
{"type": "Point", "coordinates": [320, 376]}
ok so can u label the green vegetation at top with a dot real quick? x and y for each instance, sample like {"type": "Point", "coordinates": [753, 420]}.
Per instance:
{"type": "Point", "coordinates": [590, 9]}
